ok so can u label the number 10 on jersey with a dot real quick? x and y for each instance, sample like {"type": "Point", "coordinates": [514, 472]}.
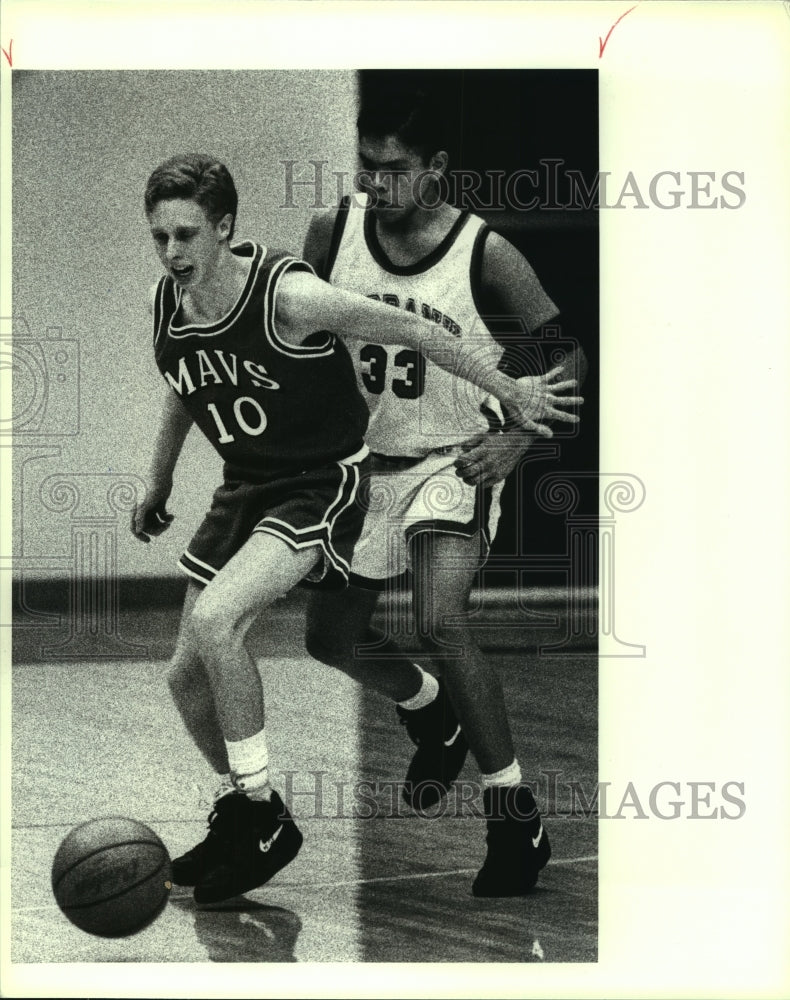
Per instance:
{"type": "Point", "coordinates": [252, 422]}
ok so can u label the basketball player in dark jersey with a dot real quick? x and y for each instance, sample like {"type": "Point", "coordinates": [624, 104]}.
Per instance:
{"type": "Point", "coordinates": [439, 468]}
{"type": "Point", "coordinates": [240, 336]}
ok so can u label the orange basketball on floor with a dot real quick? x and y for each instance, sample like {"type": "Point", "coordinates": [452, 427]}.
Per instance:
{"type": "Point", "coordinates": [111, 876]}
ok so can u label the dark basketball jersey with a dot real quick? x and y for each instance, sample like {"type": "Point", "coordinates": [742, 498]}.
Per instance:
{"type": "Point", "coordinates": [269, 409]}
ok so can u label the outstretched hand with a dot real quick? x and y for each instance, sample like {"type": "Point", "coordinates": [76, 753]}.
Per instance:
{"type": "Point", "coordinates": [534, 399]}
{"type": "Point", "coordinates": [490, 458]}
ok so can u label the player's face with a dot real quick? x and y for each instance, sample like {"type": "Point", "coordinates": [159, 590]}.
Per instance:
{"type": "Point", "coordinates": [187, 241]}
{"type": "Point", "coordinates": [390, 172]}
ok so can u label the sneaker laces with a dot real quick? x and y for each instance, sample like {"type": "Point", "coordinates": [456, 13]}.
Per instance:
{"type": "Point", "coordinates": [219, 832]}
{"type": "Point", "coordinates": [214, 822]}
{"type": "Point", "coordinates": [221, 789]}
{"type": "Point", "coordinates": [211, 823]}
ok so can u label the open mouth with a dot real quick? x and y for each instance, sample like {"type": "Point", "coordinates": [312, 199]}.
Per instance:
{"type": "Point", "coordinates": [181, 272]}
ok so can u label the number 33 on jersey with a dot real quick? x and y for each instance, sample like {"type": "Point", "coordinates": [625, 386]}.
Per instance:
{"type": "Point", "coordinates": [406, 378]}
{"type": "Point", "coordinates": [416, 406]}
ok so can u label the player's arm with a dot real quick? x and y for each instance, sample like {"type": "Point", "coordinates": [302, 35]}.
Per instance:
{"type": "Point", "coordinates": [306, 304]}
{"type": "Point", "coordinates": [150, 517]}
{"type": "Point", "coordinates": [510, 289]}
{"type": "Point", "coordinates": [174, 425]}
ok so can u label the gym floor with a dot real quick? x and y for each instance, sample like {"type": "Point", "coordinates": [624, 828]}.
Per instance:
{"type": "Point", "coordinates": [373, 882]}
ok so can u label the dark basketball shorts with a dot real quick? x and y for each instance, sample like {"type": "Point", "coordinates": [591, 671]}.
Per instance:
{"type": "Point", "coordinates": [319, 507]}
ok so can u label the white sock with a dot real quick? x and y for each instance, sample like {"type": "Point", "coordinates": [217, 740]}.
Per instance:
{"type": "Point", "coordinates": [510, 775]}
{"type": "Point", "coordinates": [429, 689]}
{"type": "Point", "coordinates": [249, 765]}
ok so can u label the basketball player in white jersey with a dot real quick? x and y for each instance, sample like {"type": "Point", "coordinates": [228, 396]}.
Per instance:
{"type": "Point", "coordinates": [240, 337]}
{"type": "Point", "coordinates": [433, 496]}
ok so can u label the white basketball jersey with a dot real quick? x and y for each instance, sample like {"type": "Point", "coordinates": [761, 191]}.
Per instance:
{"type": "Point", "coordinates": [415, 406]}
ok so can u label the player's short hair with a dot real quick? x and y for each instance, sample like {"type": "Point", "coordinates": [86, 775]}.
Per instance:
{"type": "Point", "coordinates": [409, 105]}
{"type": "Point", "coordinates": [196, 177]}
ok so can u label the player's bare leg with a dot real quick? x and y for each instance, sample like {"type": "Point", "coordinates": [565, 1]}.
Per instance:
{"type": "Point", "coordinates": [444, 569]}
{"type": "Point", "coordinates": [191, 691]}
{"type": "Point", "coordinates": [265, 569]}
{"type": "Point", "coordinates": [517, 844]}
{"type": "Point", "coordinates": [251, 832]}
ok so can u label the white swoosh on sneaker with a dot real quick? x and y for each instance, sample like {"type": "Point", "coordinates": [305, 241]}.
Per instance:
{"type": "Point", "coordinates": [265, 846]}
{"type": "Point", "coordinates": [453, 738]}
{"type": "Point", "coordinates": [536, 840]}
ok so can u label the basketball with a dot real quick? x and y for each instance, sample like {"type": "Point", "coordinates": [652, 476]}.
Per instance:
{"type": "Point", "coordinates": [111, 876]}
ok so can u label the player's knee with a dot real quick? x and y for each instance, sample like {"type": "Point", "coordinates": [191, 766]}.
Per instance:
{"type": "Point", "coordinates": [184, 677]}
{"type": "Point", "coordinates": [214, 627]}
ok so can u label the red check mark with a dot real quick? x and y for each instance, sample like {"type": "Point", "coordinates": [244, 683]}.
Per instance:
{"type": "Point", "coordinates": [602, 42]}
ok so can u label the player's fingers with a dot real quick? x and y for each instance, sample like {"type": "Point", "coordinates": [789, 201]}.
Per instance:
{"type": "Point", "coordinates": [568, 418]}
{"type": "Point", "coordinates": [157, 521]}
{"type": "Point", "coordinates": [570, 383]}
{"type": "Point", "coordinates": [475, 472]}
{"type": "Point", "coordinates": [157, 527]}
{"type": "Point", "coordinates": [566, 400]}
{"type": "Point", "coordinates": [535, 428]}
{"type": "Point", "coordinates": [554, 373]}
{"type": "Point", "coordinates": [470, 470]}
{"type": "Point", "coordinates": [472, 457]}
{"type": "Point", "coordinates": [138, 519]}
{"type": "Point", "coordinates": [472, 443]}
{"type": "Point", "coordinates": [478, 451]}
{"type": "Point", "coordinates": [162, 517]}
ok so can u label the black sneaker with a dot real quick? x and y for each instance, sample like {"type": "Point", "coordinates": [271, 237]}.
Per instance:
{"type": "Point", "coordinates": [441, 751]}
{"type": "Point", "coordinates": [190, 868]}
{"type": "Point", "coordinates": [256, 840]}
{"type": "Point", "coordinates": [518, 845]}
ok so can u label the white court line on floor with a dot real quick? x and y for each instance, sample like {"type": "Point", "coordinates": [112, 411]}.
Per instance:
{"type": "Point", "coordinates": [357, 881]}
{"type": "Point", "coordinates": [413, 876]}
